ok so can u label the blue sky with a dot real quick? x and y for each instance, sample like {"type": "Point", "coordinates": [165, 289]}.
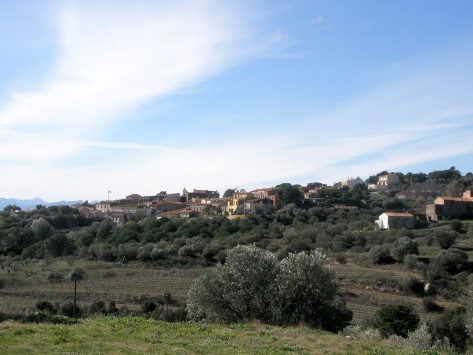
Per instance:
{"type": "Point", "coordinates": [142, 96]}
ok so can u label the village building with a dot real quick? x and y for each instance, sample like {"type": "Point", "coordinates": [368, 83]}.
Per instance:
{"type": "Point", "coordinates": [386, 182]}
{"type": "Point", "coordinates": [350, 183]}
{"type": "Point", "coordinates": [445, 208]}
{"type": "Point", "coordinates": [395, 220]}
{"type": "Point", "coordinates": [270, 193]}
{"type": "Point", "coordinates": [199, 194]}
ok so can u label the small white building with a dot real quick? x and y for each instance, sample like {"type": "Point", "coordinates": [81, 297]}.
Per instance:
{"type": "Point", "coordinates": [388, 182]}
{"type": "Point", "coordinates": [394, 220]}
{"type": "Point", "coordinates": [350, 183]}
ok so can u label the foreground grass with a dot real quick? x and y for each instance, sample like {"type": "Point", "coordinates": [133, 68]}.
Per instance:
{"type": "Point", "coordinates": [136, 335]}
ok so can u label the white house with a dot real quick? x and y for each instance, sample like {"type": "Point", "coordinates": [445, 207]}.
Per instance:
{"type": "Point", "coordinates": [350, 183]}
{"type": "Point", "coordinates": [394, 220]}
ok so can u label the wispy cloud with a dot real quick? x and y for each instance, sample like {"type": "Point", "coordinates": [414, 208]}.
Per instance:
{"type": "Point", "coordinates": [113, 58]}
{"type": "Point", "coordinates": [116, 56]}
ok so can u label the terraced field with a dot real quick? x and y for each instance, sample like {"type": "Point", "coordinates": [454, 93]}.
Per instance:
{"type": "Point", "coordinates": [364, 288]}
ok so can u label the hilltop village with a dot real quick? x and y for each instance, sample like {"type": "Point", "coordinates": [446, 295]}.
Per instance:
{"type": "Point", "coordinates": [434, 201]}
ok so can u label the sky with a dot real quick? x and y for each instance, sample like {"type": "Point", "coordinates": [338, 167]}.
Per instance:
{"type": "Point", "coordinates": [146, 96]}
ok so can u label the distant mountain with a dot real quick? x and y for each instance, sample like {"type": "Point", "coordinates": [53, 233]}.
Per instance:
{"type": "Point", "coordinates": [32, 203]}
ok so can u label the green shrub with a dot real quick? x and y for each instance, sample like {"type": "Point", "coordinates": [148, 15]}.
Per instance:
{"type": "Point", "coordinates": [394, 319]}
{"type": "Point", "coordinates": [148, 306]}
{"type": "Point", "coordinates": [380, 254]}
{"type": "Point", "coordinates": [67, 309]}
{"type": "Point", "coordinates": [402, 247]}
{"type": "Point", "coordinates": [413, 286]}
{"type": "Point", "coordinates": [445, 239]}
{"type": "Point", "coordinates": [97, 307]}
{"type": "Point", "coordinates": [456, 225]}
{"type": "Point", "coordinates": [451, 325]}
{"type": "Point", "coordinates": [45, 306]}
{"type": "Point", "coordinates": [243, 288]}
{"type": "Point", "coordinates": [252, 284]}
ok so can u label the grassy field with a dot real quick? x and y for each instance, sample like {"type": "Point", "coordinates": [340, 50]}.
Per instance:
{"type": "Point", "coordinates": [135, 335]}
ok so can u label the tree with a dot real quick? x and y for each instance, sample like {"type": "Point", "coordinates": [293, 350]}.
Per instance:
{"type": "Point", "coordinates": [402, 247]}
{"type": "Point", "coordinates": [444, 176]}
{"type": "Point", "coordinates": [41, 228]}
{"type": "Point", "coordinates": [56, 244]}
{"type": "Point", "coordinates": [77, 274]}
{"type": "Point", "coordinates": [253, 285]}
{"type": "Point", "coordinates": [445, 239]}
{"type": "Point", "coordinates": [11, 208]}
{"type": "Point", "coordinates": [229, 192]}
{"type": "Point", "coordinates": [452, 325]}
{"type": "Point", "coordinates": [307, 290]}
{"type": "Point", "coordinates": [105, 229]}
{"type": "Point", "coordinates": [452, 260]}
{"type": "Point", "coordinates": [380, 254]}
{"type": "Point", "coordinates": [289, 194]}
{"type": "Point", "coordinates": [395, 319]}
{"type": "Point", "coordinates": [241, 289]}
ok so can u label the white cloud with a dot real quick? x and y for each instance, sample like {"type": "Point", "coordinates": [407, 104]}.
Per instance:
{"type": "Point", "coordinates": [113, 58]}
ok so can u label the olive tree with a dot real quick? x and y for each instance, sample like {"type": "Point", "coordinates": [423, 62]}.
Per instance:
{"type": "Point", "coordinates": [241, 289]}
{"type": "Point", "coordinates": [41, 228]}
{"type": "Point", "coordinates": [252, 284]}
{"type": "Point", "coordinates": [307, 293]}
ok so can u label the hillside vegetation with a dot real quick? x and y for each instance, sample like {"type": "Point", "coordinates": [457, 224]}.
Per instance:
{"type": "Point", "coordinates": [147, 267]}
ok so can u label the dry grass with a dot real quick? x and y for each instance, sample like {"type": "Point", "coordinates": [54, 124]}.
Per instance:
{"type": "Point", "coordinates": [365, 288]}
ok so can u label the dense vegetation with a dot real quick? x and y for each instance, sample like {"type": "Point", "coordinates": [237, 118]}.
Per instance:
{"type": "Point", "coordinates": [284, 236]}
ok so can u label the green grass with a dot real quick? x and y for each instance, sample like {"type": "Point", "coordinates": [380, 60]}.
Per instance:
{"type": "Point", "coordinates": [136, 335]}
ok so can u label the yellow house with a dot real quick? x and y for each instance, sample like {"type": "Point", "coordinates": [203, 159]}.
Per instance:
{"type": "Point", "coordinates": [236, 199]}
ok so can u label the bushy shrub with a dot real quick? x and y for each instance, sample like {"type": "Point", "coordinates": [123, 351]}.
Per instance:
{"type": "Point", "coordinates": [45, 306]}
{"type": "Point", "coordinates": [148, 306]}
{"type": "Point", "coordinates": [306, 292]}
{"type": "Point", "coordinates": [394, 319]}
{"type": "Point", "coordinates": [456, 225]}
{"type": "Point", "coordinates": [67, 309]}
{"type": "Point", "coordinates": [403, 247]}
{"type": "Point", "coordinates": [445, 239]}
{"type": "Point", "coordinates": [451, 325]}
{"type": "Point", "coordinates": [55, 277]}
{"type": "Point", "coordinates": [413, 286]}
{"type": "Point", "coordinates": [243, 288]}
{"type": "Point", "coordinates": [380, 254]}
{"type": "Point", "coordinates": [421, 340]}
{"type": "Point", "coordinates": [97, 307]}
{"type": "Point", "coordinates": [252, 284]}
{"type": "Point", "coordinates": [452, 260]}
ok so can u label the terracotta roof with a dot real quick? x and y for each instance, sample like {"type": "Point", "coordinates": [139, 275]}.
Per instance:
{"type": "Point", "coordinates": [459, 199]}
{"type": "Point", "coordinates": [398, 214]}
